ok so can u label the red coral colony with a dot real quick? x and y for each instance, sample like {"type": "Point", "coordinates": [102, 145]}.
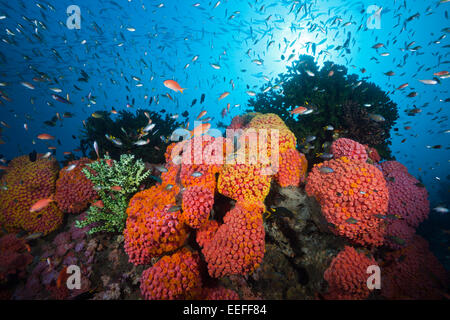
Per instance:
{"type": "Point", "coordinates": [240, 217]}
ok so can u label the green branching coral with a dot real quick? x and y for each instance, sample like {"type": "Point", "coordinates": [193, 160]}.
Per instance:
{"type": "Point", "coordinates": [116, 182]}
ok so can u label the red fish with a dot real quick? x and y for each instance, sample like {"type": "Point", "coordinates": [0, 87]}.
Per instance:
{"type": "Point", "coordinates": [171, 84]}
{"type": "Point", "coordinates": [116, 188]}
{"type": "Point", "coordinates": [99, 204]}
{"type": "Point", "coordinates": [298, 110]}
{"type": "Point", "coordinates": [45, 136]}
{"type": "Point", "coordinates": [40, 204]}
{"type": "Point", "coordinates": [224, 95]}
{"type": "Point", "coordinates": [441, 73]}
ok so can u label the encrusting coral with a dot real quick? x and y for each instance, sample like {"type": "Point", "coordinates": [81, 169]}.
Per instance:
{"type": "Point", "coordinates": [74, 191]}
{"type": "Point", "coordinates": [173, 277]}
{"type": "Point", "coordinates": [353, 196]}
{"type": "Point", "coordinates": [26, 183]}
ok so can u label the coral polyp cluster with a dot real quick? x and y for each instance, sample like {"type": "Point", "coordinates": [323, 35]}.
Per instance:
{"type": "Point", "coordinates": [408, 197]}
{"type": "Point", "coordinates": [173, 277]}
{"type": "Point", "coordinates": [238, 245]}
{"type": "Point", "coordinates": [26, 183]}
{"type": "Point", "coordinates": [290, 173]}
{"type": "Point", "coordinates": [74, 191]}
{"type": "Point", "coordinates": [347, 275]}
{"type": "Point", "coordinates": [197, 204]}
{"type": "Point", "coordinates": [152, 227]}
{"type": "Point", "coordinates": [353, 196]}
{"type": "Point", "coordinates": [353, 150]}
{"type": "Point", "coordinates": [243, 182]}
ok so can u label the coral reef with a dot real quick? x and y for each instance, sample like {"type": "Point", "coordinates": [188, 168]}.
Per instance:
{"type": "Point", "coordinates": [26, 183]}
{"type": "Point", "coordinates": [49, 274]}
{"type": "Point", "coordinates": [218, 230]}
{"type": "Point", "coordinates": [158, 224]}
{"type": "Point", "coordinates": [74, 191]}
{"type": "Point", "coordinates": [373, 154]}
{"type": "Point", "coordinates": [398, 233]}
{"type": "Point", "coordinates": [243, 182]}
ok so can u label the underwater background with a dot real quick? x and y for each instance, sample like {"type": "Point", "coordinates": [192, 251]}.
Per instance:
{"type": "Point", "coordinates": [93, 83]}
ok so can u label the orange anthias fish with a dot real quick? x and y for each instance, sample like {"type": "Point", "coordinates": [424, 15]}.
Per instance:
{"type": "Point", "coordinates": [442, 73]}
{"type": "Point", "coordinates": [298, 110]}
{"type": "Point", "coordinates": [201, 114]}
{"type": "Point", "coordinates": [171, 84]}
{"type": "Point", "coordinates": [403, 86]}
{"type": "Point", "coordinates": [200, 129]}
{"type": "Point", "coordinates": [40, 204]}
{"type": "Point", "coordinates": [45, 136]}
{"type": "Point", "coordinates": [116, 188]}
{"type": "Point", "coordinates": [98, 204]}
{"type": "Point", "coordinates": [224, 95]}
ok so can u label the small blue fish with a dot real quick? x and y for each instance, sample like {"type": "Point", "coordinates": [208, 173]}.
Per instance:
{"type": "Point", "coordinates": [326, 170]}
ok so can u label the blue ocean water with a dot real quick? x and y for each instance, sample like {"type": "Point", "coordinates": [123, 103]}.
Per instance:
{"type": "Point", "coordinates": [124, 44]}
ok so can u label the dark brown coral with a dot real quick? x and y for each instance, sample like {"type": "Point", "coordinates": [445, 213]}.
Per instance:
{"type": "Point", "coordinates": [360, 127]}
